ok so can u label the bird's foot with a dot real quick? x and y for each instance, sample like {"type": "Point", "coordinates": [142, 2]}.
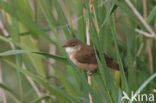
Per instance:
{"type": "Point", "coordinates": [89, 73]}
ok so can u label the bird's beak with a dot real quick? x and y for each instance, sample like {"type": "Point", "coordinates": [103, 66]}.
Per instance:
{"type": "Point", "coordinates": [64, 46]}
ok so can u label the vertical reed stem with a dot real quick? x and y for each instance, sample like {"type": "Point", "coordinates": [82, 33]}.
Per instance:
{"type": "Point", "coordinates": [89, 73]}
{"type": "Point", "coordinates": [144, 2]}
{"type": "Point", "coordinates": [3, 97]}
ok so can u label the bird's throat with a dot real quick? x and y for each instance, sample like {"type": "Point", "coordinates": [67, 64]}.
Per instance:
{"type": "Point", "coordinates": [70, 50]}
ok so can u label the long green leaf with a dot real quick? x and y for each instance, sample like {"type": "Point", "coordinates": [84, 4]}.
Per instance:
{"type": "Point", "coordinates": [152, 15]}
{"type": "Point", "coordinates": [66, 83]}
{"type": "Point", "coordinates": [40, 99]}
{"type": "Point", "coordinates": [143, 86]}
{"type": "Point", "coordinates": [52, 89]}
{"type": "Point", "coordinates": [123, 77]}
{"type": "Point", "coordinates": [59, 58]}
{"type": "Point", "coordinates": [14, 31]}
{"type": "Point", "coordinates": [113, 8]}
{"type": "Point", "coordinates": [15, 52]}
{"type": "Point", "coordinates": [6, 88]}
{"type": "Point", "coordinates": [63, 21]}
{"type": "Point", "coordinates": [27, 21]}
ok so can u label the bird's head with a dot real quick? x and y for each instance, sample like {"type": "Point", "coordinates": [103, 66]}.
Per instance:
{"type": "Point", "coordinates": [72, 45]}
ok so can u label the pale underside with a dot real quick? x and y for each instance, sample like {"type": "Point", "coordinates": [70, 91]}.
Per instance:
{"type": "Point", "coordinates": [84, 66]}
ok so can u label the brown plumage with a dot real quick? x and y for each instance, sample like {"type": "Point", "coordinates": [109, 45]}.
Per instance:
{"type": "Point", "coordinates": [84, 56]}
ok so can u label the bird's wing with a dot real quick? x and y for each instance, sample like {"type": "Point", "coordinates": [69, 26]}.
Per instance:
{"type": "Point", "coordinates": [108, 59]}
{"type": "Point", "coordinates": [86, 55]}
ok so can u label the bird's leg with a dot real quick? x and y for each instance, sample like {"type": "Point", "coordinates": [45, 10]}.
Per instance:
{"type": "Point", "coordinates": [89, 73]}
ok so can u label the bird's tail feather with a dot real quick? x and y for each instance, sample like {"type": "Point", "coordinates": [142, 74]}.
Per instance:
{"type": "Point", "coordinates": [114, 65]}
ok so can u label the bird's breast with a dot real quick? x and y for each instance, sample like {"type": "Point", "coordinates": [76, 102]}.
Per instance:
{"type": "Point", "coordinates": [84, 66]}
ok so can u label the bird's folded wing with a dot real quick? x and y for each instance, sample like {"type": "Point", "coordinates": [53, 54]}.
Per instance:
{"type": "Point", "coordinates": [108, 59]}
{"type": "Point", "coordinates": [86, 55]}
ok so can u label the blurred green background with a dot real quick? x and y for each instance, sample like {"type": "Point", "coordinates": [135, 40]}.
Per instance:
{"type": "Point", "coordinates": [48, 76]}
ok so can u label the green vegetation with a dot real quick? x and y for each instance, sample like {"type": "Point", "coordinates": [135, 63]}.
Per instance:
{"type": "Point", "coordinates": [32, 33]}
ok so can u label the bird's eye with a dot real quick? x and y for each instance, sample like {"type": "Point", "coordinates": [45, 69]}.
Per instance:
{"type": "Point", "coordinates": [73, 44]}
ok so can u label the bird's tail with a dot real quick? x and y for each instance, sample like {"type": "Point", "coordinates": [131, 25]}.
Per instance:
{"type": "Point", "coordinates": [114, 65]}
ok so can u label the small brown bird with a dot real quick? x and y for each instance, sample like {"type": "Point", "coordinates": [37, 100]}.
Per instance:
{"type": "Point", "coordinates": [84, 56]}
